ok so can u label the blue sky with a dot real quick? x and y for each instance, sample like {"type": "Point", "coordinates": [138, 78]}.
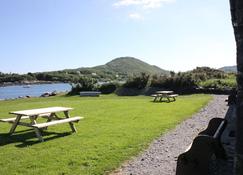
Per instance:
{"type": "Point", "coordinates": [44, 35]}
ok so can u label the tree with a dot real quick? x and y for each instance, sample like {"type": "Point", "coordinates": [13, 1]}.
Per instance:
{"type": "Point", "coordinates": [172, 73]}
{"type": "Point", "coordinates": [236, 7]}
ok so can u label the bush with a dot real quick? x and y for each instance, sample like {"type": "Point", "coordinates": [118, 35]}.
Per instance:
{"type": "Point", "coordinates": [83, 84]}
{"type": "Point", "coordinates": [107, 88]}
{"type": "Point", "coordinates": [177, 82]}
{"type": "Point", "coordinates": [138, 82]}
{"type": "Point", "coordinates": [219, 83]}
{"type": "Point", "coordinates": [121, 91]}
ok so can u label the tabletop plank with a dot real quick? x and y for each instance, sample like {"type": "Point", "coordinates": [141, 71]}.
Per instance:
{"type": "Point", "coordinates": [39, 111]}
{"type": "Point", "coordinates": [164, 92]}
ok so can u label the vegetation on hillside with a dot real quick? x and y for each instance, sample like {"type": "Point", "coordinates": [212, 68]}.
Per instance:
{"type": "Point", "coordinates": [205, 73]}
{"type": "Point", "coordinates": [119, 69]}
{"type": "Point", "coordinates": [201, 79]}
{"type": "Point", "coordinates": [135, 73]}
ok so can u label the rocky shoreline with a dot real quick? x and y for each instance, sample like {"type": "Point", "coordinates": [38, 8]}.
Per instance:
{"type": "Point", "coordinates": [24, 83]}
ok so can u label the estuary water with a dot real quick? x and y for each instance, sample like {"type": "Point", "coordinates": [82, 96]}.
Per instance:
{"type": "Point", "coordinates": [11, 92]}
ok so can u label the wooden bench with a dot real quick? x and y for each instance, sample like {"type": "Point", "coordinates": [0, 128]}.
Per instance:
{"type": "Point", "coordinates": [55, 122]}
{"type": "Point", "coordinates": [90, 94]}
{"type": "Point", "coordinates": [196, 159]}
{"type": "Point", "coordinates": [11, 120]}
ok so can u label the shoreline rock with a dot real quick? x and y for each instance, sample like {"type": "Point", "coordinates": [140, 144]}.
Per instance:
{"type": "Point", "coordinates": [49, 94]}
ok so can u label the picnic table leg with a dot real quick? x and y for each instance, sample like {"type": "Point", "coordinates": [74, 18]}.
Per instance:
{"type": "Point", "coordinates": [37, 131]}
{"type": "Point", "coordinates": [168, 98]}
{"type": "Point", "coordinates": [70, 123]}
{"type": "Point", "coordinates": [50, 118]}
{"type": "Point", "coordinates": [174, 99]}
{"type": "Point", "coordinates": [155, 98]}
{"type": "Point", "coordinates": [15, 124]}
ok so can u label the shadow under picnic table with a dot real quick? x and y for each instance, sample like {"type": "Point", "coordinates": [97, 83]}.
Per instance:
{"type": "Point", "coordinates": [28, 137]}
{"type": "Point", "coordinates": [165, 101]}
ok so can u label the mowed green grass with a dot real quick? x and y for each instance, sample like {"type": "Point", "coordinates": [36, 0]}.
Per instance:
{"type": "Point", "coordinates": [113, 130]}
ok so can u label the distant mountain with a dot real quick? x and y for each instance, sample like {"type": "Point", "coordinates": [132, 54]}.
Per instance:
{"type": "Point", "coordinates": [124, 66]}
{"type": "Point", "coordinates": [130, 66]}
{"type": "Point", "coordinates": [119, 69]}
{"type": "Point", "coordinates": [229, 69]}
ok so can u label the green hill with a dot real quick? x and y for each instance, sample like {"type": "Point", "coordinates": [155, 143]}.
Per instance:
{"type": "Point", "coordinates": [122, 67]}
{"type": "Point", "coordinates": [130, 66]}
{"type": "Point", "coordinates": [118, 69]}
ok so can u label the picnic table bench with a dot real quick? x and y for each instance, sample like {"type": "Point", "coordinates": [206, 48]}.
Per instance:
{"type": "Point", "coordinates": [169, 95]}
{"type": "Point", "coordinates": [48, 113]}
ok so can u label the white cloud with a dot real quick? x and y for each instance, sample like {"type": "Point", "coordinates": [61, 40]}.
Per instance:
{"type": "Point", "coordinates": [141, 6]}
{"type": "Point", "coordinates": [135, 16]}
{"type": "Point", "coordinates": [147, 4]}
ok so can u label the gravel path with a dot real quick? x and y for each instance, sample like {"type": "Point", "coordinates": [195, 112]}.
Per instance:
{"type": "Point", "coordinates": [160, 158]}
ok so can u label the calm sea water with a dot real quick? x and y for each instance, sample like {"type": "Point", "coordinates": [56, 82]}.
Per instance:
{"type": "Point", "coordinates": [9, 92]}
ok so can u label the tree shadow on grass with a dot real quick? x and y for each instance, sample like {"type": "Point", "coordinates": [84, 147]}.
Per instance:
{"type": "Point", "coordinates": [28, 137]}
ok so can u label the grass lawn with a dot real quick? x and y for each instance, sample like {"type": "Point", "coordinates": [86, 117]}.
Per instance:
{"type": "Point", "coordinates": [113, 129]}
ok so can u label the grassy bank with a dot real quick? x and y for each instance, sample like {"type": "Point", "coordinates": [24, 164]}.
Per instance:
{"type": "Point", "coordinates": [114, 129]}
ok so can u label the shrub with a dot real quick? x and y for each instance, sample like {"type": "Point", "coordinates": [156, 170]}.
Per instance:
{"type": "Point", "coordinates": [138, 82]}
{"type": "Point", "coordinates": [107, 88]}
{"type": "Point", "coordinates": [179, 81]}
{"type": "Point", "coordinates": [83, 84]}
{"type": "Point", "coordinates": [219, 83]}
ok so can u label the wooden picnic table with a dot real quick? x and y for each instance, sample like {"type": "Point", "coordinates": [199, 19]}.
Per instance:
{"type": "Point", "coordinates": [49, 113]}
{"type": "Point", "coordinates": [164, 94]}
